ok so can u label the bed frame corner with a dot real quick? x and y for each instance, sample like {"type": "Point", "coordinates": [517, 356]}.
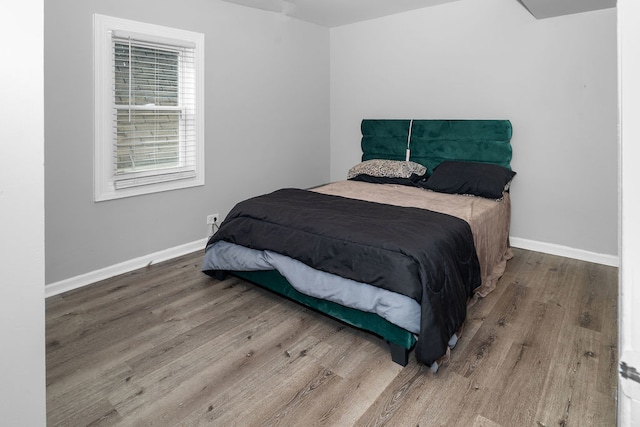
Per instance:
{"type": "Point", "coordinates": [399, 354]}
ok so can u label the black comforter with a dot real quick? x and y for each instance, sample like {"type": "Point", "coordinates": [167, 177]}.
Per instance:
{"type": "Point", "coordinates": [425, 255]}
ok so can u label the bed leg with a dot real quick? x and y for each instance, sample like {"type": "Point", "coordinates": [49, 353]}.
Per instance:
{"type": "Point", "coordinates": [399, 354]}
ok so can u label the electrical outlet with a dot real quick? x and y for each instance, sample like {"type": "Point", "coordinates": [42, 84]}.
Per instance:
{"type": "Point", "coordinates": [213, 219]}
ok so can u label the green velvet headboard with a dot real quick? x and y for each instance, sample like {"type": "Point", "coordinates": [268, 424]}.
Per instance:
{"type": "Point", "coordinates": [433, 141]}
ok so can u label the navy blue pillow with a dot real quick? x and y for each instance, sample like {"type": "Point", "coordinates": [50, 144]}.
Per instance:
{"type": "Point", "coordinates": [480, 179]}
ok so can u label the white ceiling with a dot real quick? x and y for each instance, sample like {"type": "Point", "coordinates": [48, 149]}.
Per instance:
{"type": "Point", "coordinates": [333, 13]}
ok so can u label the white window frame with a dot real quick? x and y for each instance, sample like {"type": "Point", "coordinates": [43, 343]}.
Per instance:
{"type": "Point", "coordinates": [106, 184]}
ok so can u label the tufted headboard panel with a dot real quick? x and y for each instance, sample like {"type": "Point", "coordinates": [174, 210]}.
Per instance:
{"type": "Point", "coordinates": [433, 141]}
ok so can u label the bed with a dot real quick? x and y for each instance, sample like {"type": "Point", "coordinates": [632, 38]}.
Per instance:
{"type": "Point", "coordinates": [420, 229]}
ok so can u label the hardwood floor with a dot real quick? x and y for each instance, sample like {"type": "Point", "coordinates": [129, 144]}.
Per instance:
{"type": "Point", "coordinates": [169, 346]}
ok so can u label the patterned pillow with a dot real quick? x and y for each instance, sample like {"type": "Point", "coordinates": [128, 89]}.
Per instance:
{"type": "Point", "coordinates": [387, 169]}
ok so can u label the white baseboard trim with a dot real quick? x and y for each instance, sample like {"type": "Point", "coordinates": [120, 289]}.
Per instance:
{"type": "Point", "coordinates": [166, 254]}
{"type": "Point", "coordinates": [121, 268]}
{"type": "Point", "coordinates": [565, 251]}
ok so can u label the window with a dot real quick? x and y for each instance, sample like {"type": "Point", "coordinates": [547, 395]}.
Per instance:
{"type": "Point", "coordinates": [149, 111]}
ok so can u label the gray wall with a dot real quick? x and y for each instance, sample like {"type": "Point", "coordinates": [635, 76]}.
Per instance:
{"type": "Point", "coordinates": [284, 100]}
{"type": "Point", "coordinates": [267, 126]}
{"type": "Point", "coordinates": [555, 79]}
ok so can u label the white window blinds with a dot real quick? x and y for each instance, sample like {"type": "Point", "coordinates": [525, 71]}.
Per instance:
{"type": "Point", "coordinates": [154, 111]}
{"type": "Point", "coordinates": [149, 112]}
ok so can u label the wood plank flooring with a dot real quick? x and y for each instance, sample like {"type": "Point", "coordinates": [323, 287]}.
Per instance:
{"type": "Point", "coordinates": [168, 346]}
